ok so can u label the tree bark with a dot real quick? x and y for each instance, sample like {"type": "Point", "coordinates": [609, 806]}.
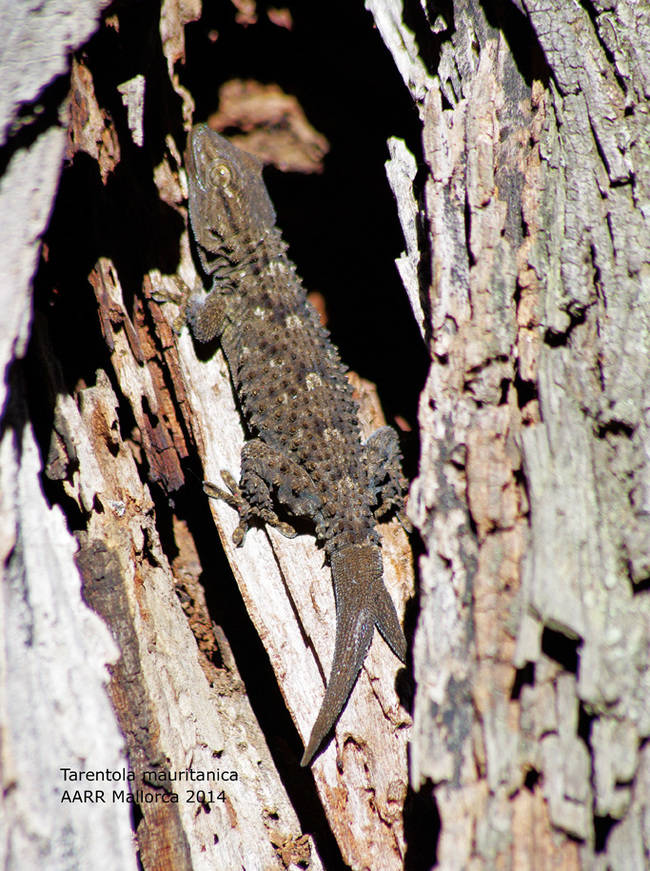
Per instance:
{"type": "Point", "coordinates": [531, 653]}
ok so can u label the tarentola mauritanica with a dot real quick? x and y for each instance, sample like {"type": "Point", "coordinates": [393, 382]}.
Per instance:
{"type": "Point", "coordinates": [304, 454]}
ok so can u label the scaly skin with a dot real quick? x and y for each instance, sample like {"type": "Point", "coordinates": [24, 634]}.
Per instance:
{"type": "Point", "coordinates": [305, 453]}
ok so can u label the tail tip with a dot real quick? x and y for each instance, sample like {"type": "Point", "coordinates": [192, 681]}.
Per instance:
{"type": "Point", "coordinates": [311, 748]}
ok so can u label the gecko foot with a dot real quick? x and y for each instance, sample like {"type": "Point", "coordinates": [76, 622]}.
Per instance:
{"type": "Point", "coordinates": [246, 510]}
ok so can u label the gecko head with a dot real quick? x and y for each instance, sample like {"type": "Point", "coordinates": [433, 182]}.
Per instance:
{"type": "Point", "coordinates": [228, 197]}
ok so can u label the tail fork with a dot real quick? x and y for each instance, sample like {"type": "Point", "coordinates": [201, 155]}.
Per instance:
{"type": "Point", "coordinates": [362, 602]}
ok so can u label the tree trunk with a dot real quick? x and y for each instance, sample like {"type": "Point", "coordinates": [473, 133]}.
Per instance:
{"type": "Point", "coordinates": [531, 650]}
{"type": "Point", "coordinates": [525, 217]}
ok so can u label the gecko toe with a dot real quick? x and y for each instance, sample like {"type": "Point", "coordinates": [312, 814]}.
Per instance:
{"type": "Point", "coordinates": [229, 481]}
{"type": "Point", "coordinates": [239, 534]}
{"type": "Point", "coordinates": [286, 529]}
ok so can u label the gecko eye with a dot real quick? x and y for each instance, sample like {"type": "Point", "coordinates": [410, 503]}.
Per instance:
{"type": "Point", "coordinates": [220, 174]}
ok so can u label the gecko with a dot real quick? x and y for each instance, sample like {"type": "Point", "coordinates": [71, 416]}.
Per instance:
{"type": "Point", "coordinates": [304, 457]}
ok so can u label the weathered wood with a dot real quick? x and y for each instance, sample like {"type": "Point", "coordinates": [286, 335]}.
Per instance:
{"type": "Point", "coordinates": [54, 710]}
{"type": "Point", "coordinates": [55, 715]}
{"type": "Point", "coordinates": [36, 42]}
{"type": "Point", "coordinates": [531, 651]}
{"type": "Point", "coordinates": [177, 705]}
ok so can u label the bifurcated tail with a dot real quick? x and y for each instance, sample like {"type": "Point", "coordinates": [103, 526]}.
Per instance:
{"type": "Point", "coordinates": [362, 602]}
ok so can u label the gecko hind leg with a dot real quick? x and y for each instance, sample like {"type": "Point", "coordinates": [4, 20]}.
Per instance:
{"type": "Point", "coordinates": [386, 477]}
{"type": "Point", "coordinates": [247, 510]}
{"type": "Point", "coordinates": [263, 469]}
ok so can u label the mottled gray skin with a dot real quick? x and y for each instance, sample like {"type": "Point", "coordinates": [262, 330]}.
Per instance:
{"type": "Point", "coordinates": [305, 453]}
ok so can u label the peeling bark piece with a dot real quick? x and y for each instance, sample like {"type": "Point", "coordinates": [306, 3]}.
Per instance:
{"type": "Point", "coordinates": [273, 123]}
{"type": "Point", "coordinates": [401, 42]}
{"type": "Point", "coordinates": [401, 170]}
